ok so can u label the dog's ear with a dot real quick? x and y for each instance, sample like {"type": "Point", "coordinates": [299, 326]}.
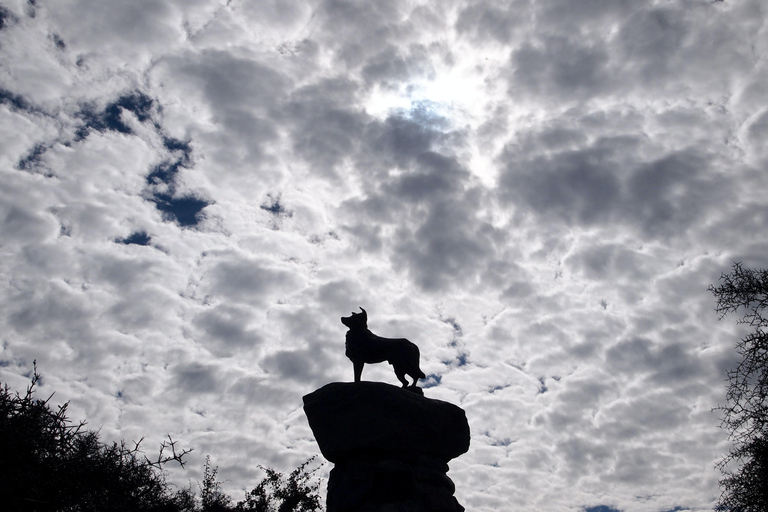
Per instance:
{"type": "Point", "coordinates": [365, 315]}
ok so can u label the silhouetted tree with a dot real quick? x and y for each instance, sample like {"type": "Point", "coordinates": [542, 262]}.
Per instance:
{"type": "Point", "coordinates": [298, 492]}
{"type": "Point", "coordinates": [50, 464]}
{"type": "Point", "coordinates": [211, 497]}
{"type": "Point", "coordinates": [745, 415]}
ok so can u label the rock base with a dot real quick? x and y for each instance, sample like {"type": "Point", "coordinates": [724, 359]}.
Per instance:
{"type": "Point", "coordinates": [390, 447]}
{"type": "Point", "coordinates": [379, 483]}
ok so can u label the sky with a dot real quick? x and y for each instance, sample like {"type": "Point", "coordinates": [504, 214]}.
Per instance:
{"type": "Point", "coordinates": [537, 194]}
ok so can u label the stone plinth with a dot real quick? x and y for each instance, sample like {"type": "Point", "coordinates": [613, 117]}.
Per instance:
{"type": "Point", "coordinates": [390, 447]}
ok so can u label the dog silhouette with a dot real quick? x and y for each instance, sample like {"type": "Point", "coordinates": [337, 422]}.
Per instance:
{"type": "Point", "coordinates": [363, 346]}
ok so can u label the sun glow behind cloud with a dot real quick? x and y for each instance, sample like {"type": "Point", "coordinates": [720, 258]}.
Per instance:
{"type": "Point", "coordinates": [451, 91]}
{"type": "Point", "coordinates": [455, 98]}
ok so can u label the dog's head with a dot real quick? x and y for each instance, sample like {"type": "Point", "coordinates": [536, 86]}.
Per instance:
{"type": "Point", "coordinates": [356, 320]}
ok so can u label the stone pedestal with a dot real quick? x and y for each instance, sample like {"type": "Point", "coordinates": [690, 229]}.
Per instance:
{"type": "Point", "coordinates": [390, 447]}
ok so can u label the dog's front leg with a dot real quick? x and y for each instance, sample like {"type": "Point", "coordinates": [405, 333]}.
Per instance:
{"type": "Point", "coordinates": [358, 369]}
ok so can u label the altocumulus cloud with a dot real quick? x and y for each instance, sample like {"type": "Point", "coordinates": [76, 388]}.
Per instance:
{"type": "Point", "coordinates": [536, 194]}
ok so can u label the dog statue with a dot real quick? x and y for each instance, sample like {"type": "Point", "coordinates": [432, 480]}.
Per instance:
{"type": "Point", "coordinates": [365, 347]}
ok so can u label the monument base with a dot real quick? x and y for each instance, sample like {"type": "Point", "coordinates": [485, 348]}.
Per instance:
{"type": "Point", "coordinates": [390, 447]}
{"type": "Point", "coordinates": [393, 484]}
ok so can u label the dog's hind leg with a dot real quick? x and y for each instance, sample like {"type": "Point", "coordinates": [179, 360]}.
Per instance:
{"type": "Point", "coordinates": [401, 377]}
{"type": "Point", "coordinates": [414, 377]}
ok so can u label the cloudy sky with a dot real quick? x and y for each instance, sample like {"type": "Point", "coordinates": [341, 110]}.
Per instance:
{"type": "Point", "coordinates": [536, 193]}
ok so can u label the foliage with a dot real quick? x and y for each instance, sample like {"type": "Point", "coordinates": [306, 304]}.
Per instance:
{"type": "Point", "coordinates": [745, 415]}
{"type": "Point", "coordinates": [277, 493]}
{"type": "Point", "coordinates": [47, 463]}
{"type": "Point", "coordinates": [211, 497]}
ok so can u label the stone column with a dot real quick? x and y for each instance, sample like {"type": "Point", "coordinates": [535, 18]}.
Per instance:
{"type": "Point", "coordinates": [390, 447]}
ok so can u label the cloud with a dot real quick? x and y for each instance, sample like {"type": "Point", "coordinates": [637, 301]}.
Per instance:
{"type": "Point", "coordinates": [610, 181]}
{"type": "Point", "coordinates": [572, 186]}
{"type": "Point", "coordinates": [668, 365]}
{"type": "Point", "coordinates": [486, 21]}
{"type": "Point", "coordinates": [561, 68]}
{"type": "Point", "coordinates": [357, 30]}
{"type": "Point", "coordinates": [301, 365]}
{"type": "Point", "coordinates": [331, 105]}
{"type": "Point", "coordinates": [225, 330]}
{"type": "Point", "coordinates": [428, 201]}
{"type": "Point", "coordinates": [197, 378]}
{"type": "Point", "coordinates": [536, 194]}
{"type": "Point", "coordinates": [246, 281]}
